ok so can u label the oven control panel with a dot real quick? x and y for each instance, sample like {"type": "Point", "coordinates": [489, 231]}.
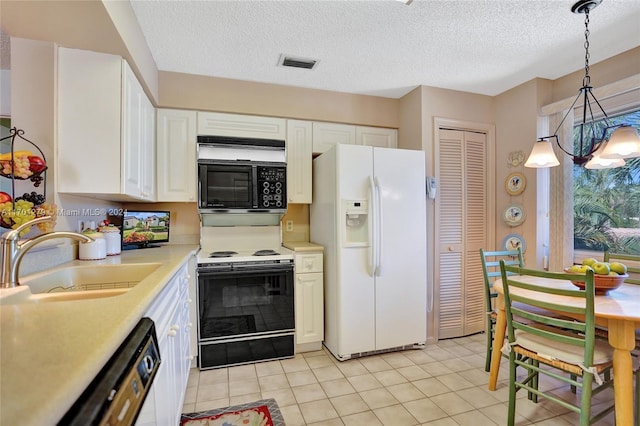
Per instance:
{"type": "Point", "coordinates": [272, 187]}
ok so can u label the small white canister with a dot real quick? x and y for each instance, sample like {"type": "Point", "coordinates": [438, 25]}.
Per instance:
{"type": "Point", "coordinates": [94, 250]}
{"type": "Point", "coordinates": [112, 237]}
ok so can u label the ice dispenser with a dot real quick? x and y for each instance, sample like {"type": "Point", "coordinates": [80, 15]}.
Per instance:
{"type": "Point", "coordinates": [355, 216]}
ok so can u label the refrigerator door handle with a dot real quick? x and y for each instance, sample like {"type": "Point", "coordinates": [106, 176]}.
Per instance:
{"type": "Point", "coordinates": [372, 229]}
{"type": "Point", "coordinates": [378, 215]}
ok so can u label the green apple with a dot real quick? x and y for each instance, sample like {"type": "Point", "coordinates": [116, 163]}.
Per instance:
{"type": "Point", "coordinates": [613, 274]}
{"type": "Point", "coordinates": [589, 261]}
{"type": "Point", "coordinates": [601, 268]}
{"type": "Point", "coordinates": [579, 269]}
{"type": "Point", "coordinates": [618, 267]}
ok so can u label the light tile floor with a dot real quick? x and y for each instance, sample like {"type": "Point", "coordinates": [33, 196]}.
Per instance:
{"type": "Point", "coordinates": [443, 384]}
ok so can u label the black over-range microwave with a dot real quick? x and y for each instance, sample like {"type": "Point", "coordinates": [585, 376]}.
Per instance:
{"type": "Point", "coordinates": [241, 175]}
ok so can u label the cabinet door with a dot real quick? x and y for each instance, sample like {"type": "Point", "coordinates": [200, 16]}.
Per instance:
{"type": "Point", "coordinates": [299, 159]}
{"type": "Point", "coordinates": [326, 135]}
{"type": "Point", "coordinates": [377, 136]}
{"type": "Point", "coordinates": [89, 113]}
{"type": "Point", "coordinates": [176, 155]}
{"type": "Point", "coordinates": [138, 137]}
{"type": "Point", "coordinates": [245, 126]}
{"type": "Point", "coordinates": [148, 150]}
{"type": "Point", "coordinates": [309, 308]}
{"type": "Point", "coordinates": [132, 133]}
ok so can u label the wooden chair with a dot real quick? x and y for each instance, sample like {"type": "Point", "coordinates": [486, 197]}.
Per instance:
{"type": "Point", "coordinates": [491, 271]}
{"type": "Point", "coordinates": [566, 345]}
{"type": "Point", "coordinates": [632, 261]}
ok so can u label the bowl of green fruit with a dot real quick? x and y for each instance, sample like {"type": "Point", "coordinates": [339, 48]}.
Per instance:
{"type": "Point", "coordinates": [607, 276]}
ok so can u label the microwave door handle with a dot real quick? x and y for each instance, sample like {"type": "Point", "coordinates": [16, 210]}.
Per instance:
{"type": "Point", "coordinates": [254, 184]}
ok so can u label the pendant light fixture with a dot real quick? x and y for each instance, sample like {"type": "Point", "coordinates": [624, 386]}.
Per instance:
{"type": "Point", "coordinates": [593, 151]}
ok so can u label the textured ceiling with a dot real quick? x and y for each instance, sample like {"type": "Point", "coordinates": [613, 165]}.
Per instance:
{"type": "Point", "coordinates": [384, 47]}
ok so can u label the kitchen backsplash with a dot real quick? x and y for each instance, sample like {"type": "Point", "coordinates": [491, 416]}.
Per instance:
{"type": "Point", "coordinates": [295, 223]}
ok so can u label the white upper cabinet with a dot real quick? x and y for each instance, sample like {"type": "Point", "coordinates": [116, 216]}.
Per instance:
{"type": "Point", "coordinates": [106, 129]}
{"type": "Point", "coordinates": [138, 147]}
{"type": "Point", "coordinates": [377, 136]}
{"type": "Point", "coordinates": [176, 159]}
{"type": "Point", "coordinates": [299, 161]}
{"type": "Point", "coordinates": [243, 126]}
{"type": "Point", "coordinates": [326, 135]}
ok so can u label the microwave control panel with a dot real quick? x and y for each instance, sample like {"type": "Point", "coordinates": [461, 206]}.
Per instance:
{"type": "Point", "coordinates": [272, 186]}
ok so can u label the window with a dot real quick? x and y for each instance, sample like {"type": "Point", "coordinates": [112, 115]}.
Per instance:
{"type": "Point", "coordinates": [607, 202]}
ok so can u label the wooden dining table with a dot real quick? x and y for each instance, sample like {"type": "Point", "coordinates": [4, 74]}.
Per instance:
{"type": "Point", "coordinates": [618, 311]}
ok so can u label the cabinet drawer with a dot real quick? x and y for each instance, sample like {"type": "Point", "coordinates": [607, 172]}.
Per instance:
{"type": "Point", "coordinates": [306, 263]}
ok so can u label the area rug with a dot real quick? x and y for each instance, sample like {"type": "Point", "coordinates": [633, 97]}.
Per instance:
{"type": "Point", "coordinates": [260, 413]}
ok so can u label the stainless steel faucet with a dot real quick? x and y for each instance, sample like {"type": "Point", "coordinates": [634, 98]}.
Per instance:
{"type": "Point", "coordinates": [13, 250]}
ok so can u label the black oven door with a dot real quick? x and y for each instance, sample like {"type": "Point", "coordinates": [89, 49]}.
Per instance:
{"type": "Point", "coordinates": [226, 186]}
{"type": "Point", "coordinates": [244, 302]}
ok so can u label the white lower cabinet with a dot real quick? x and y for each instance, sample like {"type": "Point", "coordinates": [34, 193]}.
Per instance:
{"type": "Point", "coordinates": [309, 301]}
{"type": "Point", "coordinates": [170, 313]}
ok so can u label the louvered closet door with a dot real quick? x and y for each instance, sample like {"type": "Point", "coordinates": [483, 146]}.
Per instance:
{"type": "Point", "coordinates": [461, 223]}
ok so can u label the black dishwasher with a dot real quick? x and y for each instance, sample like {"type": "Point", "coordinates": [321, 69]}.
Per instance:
{"type": "Point", "coordinates": [116, 395]}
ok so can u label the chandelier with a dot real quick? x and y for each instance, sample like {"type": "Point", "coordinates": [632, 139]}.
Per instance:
{"type": "Point", "coordinates": [593, 149]}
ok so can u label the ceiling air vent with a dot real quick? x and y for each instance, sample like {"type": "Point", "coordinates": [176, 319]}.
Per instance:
{"type": "Point", "coordinates": [290, 61]}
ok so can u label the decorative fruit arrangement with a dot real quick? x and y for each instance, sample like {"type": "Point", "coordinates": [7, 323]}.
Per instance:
{"type": "Point", "coordinates": [25, 211]}
{"type": "Point", "coordinates": [599, 268]}
{"type": "Point", "coordinates": [607, 276]}
{"type": "Point", "coordinates": [25, 165]}
{"type": "Point", "coordinates": [15, 210]}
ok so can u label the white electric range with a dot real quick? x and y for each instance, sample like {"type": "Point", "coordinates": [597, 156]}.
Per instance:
{"type": "Point", "coordinates": [241, 244]}
{"type": "Point", "coordinates": [245, 296]}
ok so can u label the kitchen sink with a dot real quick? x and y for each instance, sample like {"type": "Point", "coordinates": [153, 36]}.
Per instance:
{"type": "Point", "coordinates": [90, 277]}
{"type": "Point", "coordinates": [78, 282]}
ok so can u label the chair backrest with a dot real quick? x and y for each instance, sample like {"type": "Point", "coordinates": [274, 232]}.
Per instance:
{"type": "Point", "coordinates": [576, 303]}
{"type": "Point", "coordinates": [631, 260]}
{"type": "Point", "coordinates": [491, 269]}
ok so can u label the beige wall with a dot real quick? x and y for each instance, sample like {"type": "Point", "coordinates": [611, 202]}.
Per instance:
{"type": "Point", "coordinates": [410, 134]}
{"type": "Point", "coordinates": [614, 69]}
{"type": "Point", "coordinates": [188, 91]}
{"type": "Point", "coordinates": [516, 130]}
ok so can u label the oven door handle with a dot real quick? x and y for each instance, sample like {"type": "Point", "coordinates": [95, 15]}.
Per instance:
{"type": "Point", "coordinates": [264, 267]}
{"type": "Point", "coordinates": [243, 269]}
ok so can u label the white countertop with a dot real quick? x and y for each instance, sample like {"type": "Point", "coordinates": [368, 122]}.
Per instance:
{"type": "Point", "coordinates": [301, 246]}
{"type": "Point", "coordinates": [50, 352]}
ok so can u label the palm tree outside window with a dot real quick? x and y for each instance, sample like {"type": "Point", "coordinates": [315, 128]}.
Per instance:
{"type": "Point", "coordinates": [606, 202]}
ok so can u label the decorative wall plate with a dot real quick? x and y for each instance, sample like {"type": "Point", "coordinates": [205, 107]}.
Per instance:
{"type": "Point", "coordinates": [513, 242]}
{"type": "Point", "coordinates": [514, 215]}
{"type": "Point", "coordinates": [515, 183]}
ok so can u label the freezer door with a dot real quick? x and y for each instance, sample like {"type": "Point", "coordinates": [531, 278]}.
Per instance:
{"type": "Point", "coordinates": [401, 279]}
{"type": "Point", "coordinates": [356, 286]}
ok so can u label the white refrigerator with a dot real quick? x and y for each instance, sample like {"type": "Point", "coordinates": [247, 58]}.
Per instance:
{"type": "Point", "coordinates": [369, 213]}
